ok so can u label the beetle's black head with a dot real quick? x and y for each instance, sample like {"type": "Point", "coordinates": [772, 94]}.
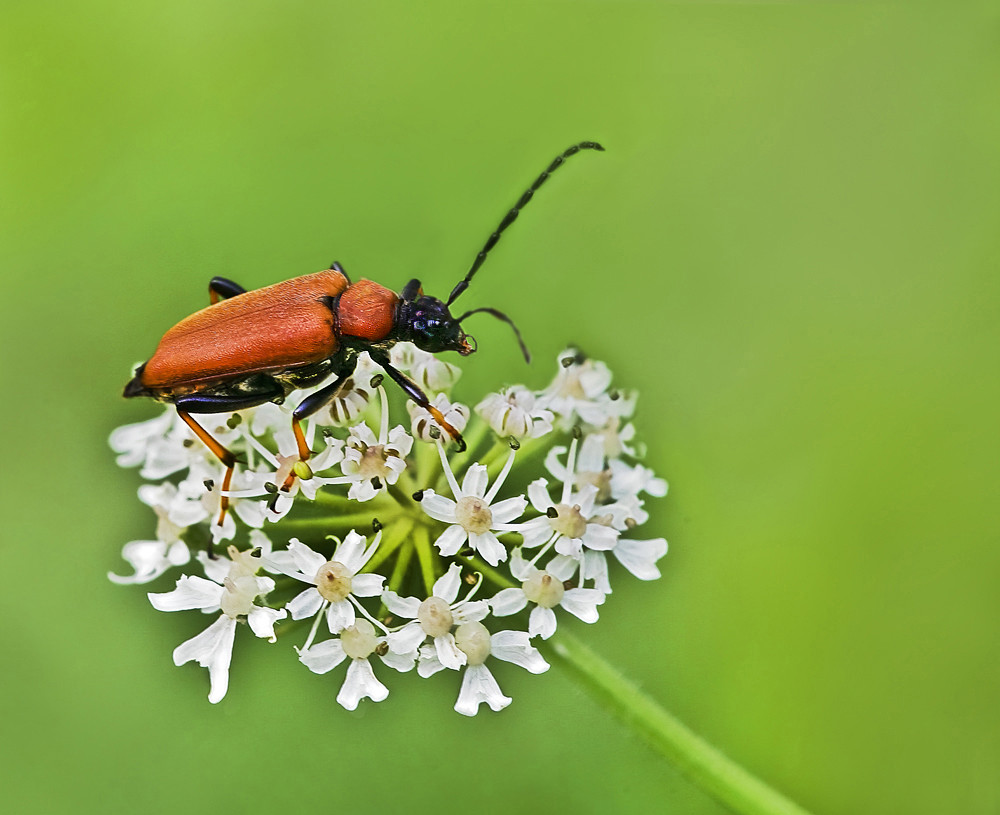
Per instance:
{"type": "Point", "coordinates": [427, 323]}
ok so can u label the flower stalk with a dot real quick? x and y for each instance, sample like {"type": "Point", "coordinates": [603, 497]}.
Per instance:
{"type": "Point", "coordinates": [701, 763]}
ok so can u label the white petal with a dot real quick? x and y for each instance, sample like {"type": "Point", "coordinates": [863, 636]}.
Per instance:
{"type": "Point", "coordinates": [562, 567]}
{"type": "Point", "coordinates": [595, 567]}
{"type": "Point", "coordinates": [487, 544]}
{"type": "Point", "coordinates": [150, 559]}
{"type": "Point", "coordinates": [360, 684]}
{"type": "Point", "coordinates": [401, 606]}
{"type": "Point", "coordinates": [340, 616]}
{"type": "Point", "coordinates": [191, 592]}
{"type": "Point", "coordinates": [640, 557]}
{"type": "Point", "coordinates": [323, 657]}
{"type": "Point", "coordinates": [470, 611]}
{"type": "Point", "coordinates": [590, 459]}
{"type": "Point", "coordinates": [538, 494]}
{"type": "Point", "coordinates": [305, 604]}
{"type": "Point", "coordinates": [446, 587]}
{"type": "Point", "coordinates": [541, 622]}
{"type": "Point", "coordinates": [475, 481]}
{"type": "Point", "coordinates": [583, 603]}
{"type": "Point", "coordinates": [520, 568]}
{"type": "Point", "coordinates": [478, 686]}
{"type": "Point", "coordinates": [513, 646]}
{"type": "Point", "coordinates": [448, 653]}
{"type": "Point", "coordinates": [509, 509]}
{"type": "Point", "coordinates": [212, 649]}
{"type": "Point", "coordinates": [535, 532]}
{"type": "Point", "coordinates": [362, 491]}
{"type": "Point", "coordinates": [451, 540]}
{"type": "Point", "coordinates": [401, 662]}
{"type": "Point", "coordinates": [570, 547]}
{"type": "Point", "coordinates": [262, 619]}
{"type": "Point", "coordinates": [409, 638]}
{"type": "Point", "coordinates": [429, 664]}
{"type": "Point", "coordinates": [350, 552]}
{"type": "Point", "coordinates": [508, 601]}
{"type": "Point", "coordinates": [438, 507]}
{"type": "Point", "coordinates": [601, 537]}
{"type": "Point", "coordinates": [306, 560]}
{"type": "Point", "coordinates": [367, 585]}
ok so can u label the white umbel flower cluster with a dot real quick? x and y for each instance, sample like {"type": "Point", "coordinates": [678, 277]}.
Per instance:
{"type": "Point", "coordinates": [392, 549]}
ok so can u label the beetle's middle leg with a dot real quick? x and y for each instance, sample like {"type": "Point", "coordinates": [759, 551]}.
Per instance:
{"type": "Point", "coordinates": [315, 402]}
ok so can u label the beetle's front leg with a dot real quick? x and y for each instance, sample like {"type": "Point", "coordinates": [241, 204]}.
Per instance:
{"type": "Point", "coordinates": [222, 288]}
{"type": "Point", "coordinates": [413, 391]}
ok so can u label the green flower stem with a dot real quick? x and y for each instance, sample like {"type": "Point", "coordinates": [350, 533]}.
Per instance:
{"type": "Point", "coordinates": [700, 762]}
{"type": "Point", "coordinates": [425, 555]}
{"type": "Point", "coordinates": [334, 523]}
{"type": "Point", "coordinates": [391, 541]}
{"type": "Point", "coordinates": [487, 571]}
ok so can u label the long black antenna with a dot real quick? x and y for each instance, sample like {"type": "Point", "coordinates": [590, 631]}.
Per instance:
{"type": "Point", "coordinates": [511, 216]}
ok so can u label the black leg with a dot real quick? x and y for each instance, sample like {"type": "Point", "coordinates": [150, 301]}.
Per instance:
{"type": "Point", "coordinates": [412, 391]}
{"type": "Point", "coordinates": [221, 288]}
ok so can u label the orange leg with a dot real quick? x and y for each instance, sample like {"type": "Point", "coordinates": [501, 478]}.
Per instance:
{"type": "Point", "coordinates": [220, 452]}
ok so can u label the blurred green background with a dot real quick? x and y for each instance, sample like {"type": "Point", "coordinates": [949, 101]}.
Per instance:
{"type": "Point", "coordinates": [790, 247]}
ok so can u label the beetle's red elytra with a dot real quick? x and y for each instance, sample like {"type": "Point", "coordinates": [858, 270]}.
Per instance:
{"type": "Point", "coordinates": [251, 347]}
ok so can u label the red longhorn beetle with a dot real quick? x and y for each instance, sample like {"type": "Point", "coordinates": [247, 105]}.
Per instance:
{"type": "Point", "coordinates": [248, 348]}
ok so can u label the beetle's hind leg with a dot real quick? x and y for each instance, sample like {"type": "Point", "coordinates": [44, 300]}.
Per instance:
{"type": "Point", "coordinates": [226, 456]}
{"type": "Point", "coordinates": [258, 391]}
{"type": "Point", "coordinates": [222, 288]}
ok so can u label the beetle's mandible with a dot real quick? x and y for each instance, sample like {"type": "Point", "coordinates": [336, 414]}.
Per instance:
{"type": "Point", "coordinates": [251, 347]}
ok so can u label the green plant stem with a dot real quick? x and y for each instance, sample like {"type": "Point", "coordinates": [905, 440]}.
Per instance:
{"type": "Point", "coordinates": [704, 765]}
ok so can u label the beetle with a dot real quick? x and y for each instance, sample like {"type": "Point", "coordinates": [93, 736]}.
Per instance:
{"type": "Point", "coordinates": [247, 348]}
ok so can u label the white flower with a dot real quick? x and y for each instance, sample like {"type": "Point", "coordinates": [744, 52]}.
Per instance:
{"type": "Point", "coordinates": [429, 372]}
{"type": "Point", "coordinates": [150, 559]}
{"type": "Point", "coordinates": [424, 426]}
{"type": "Point", "coordinates": [434, 617]}
{"type": "Point", "coordinates": [354, 397]}
{"type": "Point", "coordinates": [580, 389]}
{"type": "Point", "coordinates": [473, 516]}
{"type": "Point", "coordinates": [478, 684]}
{"type": "Point", "coordinates": [544, 588]}
{"type": "Point", "coordinates": [334, 582]}
{"type": "Point", "coordinates": [357, 642]}
{"type": "Point", "coordinates": [213, 648]}
{"type": "Point", "coordinates": [371, 463]}
{"type": "Point", "coordinates": [155, 444]}
{"type": "Point", "coordinates": [289, 476]}
{"type": "Point", "coordinates": [515, 412]}
{"type": "Point", "coordinates": [615, 480]}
